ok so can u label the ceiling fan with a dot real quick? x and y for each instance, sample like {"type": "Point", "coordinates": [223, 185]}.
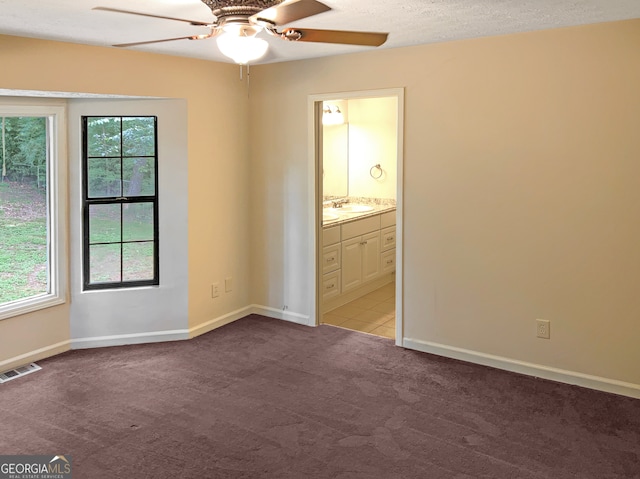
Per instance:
{"type": "Point", "coordinates": [237, 23]}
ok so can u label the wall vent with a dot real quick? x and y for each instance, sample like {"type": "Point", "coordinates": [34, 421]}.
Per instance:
{"type": "Point", "coordinates": [18, 372]}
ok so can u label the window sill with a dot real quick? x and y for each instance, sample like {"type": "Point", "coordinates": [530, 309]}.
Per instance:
{"type": "Point", "coordinates": [29, 305]}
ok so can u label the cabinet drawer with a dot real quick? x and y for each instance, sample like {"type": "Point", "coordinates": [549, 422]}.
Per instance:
{"type": "Point", "coordinates": [388, 261]}
{"type": "Point", "coordinates": [331, 285]}
{"type": "Point", "coordinates": [388, 219]}
{"type": "Point", "coordinates": [388, 238]}
{"type": "Point", "coordinates": [360, 227]}
{"type": "Point", "coordinates": [331, 258]}
{"type": "Point", "coordinates": [330, 235]}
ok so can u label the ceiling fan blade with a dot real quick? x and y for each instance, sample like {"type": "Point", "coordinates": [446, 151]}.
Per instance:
{"type": "Point", "coordinates": [371, 39]}
{"type": "Point", "coordinates": [117, 10]}
{"type": "Point", "coordinates": [290, 11]}
{"type": "Point", "coordinates": [192, 37]}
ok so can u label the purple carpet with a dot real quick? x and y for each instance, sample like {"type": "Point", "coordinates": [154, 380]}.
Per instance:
{"type": "Point", "coordinates": [261, 398]}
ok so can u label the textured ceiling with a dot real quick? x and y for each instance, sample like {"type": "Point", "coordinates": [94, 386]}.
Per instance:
{"type": "Point", "coordinates": [409, 22]}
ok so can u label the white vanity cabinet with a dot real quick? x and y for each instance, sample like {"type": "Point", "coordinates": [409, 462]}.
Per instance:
{"type": "Point", "coordinates": [355, 254]}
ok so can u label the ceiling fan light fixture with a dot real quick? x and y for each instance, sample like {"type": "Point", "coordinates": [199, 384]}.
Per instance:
{"type": "Point", "coordinates": [239, 42]}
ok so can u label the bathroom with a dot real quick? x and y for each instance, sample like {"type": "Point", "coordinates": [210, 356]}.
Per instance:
{"type": "Point", "coordinates": [359, 194]}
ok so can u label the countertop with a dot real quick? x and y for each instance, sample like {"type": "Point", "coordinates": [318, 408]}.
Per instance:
{"type": "Point", "coordinates": [348, 217]}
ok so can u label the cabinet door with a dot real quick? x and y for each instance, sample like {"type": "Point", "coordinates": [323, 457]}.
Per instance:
{"type": "Point", "coordinates": [370, 256]}
{"type": "Point", "coordinates": [351, 263]}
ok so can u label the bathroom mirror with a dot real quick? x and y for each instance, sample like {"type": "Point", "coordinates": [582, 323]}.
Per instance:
{"type": "Point", "coordinates": [335, 160]}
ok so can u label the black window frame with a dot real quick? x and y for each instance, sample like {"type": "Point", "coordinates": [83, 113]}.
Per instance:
{"type": "Point", "coordinates": [121, 200]}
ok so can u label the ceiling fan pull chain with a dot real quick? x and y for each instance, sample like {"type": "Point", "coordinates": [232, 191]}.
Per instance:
{"type": "Point", "coordinates": [248, 81]}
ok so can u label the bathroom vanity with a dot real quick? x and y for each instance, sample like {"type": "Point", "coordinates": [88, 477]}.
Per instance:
{"type": "Point", "coordinates": [358, 256]}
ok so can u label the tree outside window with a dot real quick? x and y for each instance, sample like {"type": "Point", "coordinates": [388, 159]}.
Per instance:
{"type": "Point", "coordinates": [24, 221]}
{"type": "Point", "coordinates": [120, 183]}
{"type": "Point", "coordinates": [32, 207]}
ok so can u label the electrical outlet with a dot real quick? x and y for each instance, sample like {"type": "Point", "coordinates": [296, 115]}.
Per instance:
{"type": "Point", "coordinates": [228, 284]}
{"type": "Point", "coordinates": [215, 290]}
{"type": "Point", "coordinates": [543, 327]}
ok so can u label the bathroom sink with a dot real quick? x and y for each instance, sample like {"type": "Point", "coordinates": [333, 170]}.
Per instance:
{"type": "Point", "coordinates": [328, 217]}
{"type": "Point", "coordinates": [355, 208]}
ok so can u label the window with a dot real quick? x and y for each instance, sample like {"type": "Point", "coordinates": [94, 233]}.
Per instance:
{"type": "Point", "coordinates": [32, 207]}
{"type": "Point", "coordinates": [120, 202]}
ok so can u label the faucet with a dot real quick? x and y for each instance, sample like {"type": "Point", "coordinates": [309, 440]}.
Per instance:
{"type": "Point", "coordinates": [340, 202]}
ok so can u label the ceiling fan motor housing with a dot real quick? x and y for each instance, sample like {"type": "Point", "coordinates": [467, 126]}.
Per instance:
{"type": "Point", "coordinates": [238, 8]}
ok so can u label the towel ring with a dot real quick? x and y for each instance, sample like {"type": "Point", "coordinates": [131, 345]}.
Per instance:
{"type": "Point", "coordinates": [374, 167]}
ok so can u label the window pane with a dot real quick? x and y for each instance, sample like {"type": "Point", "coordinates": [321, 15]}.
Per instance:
{"type": "Point", "coordinates": [137, 261]}
{"type": "Point", "coordinates": [137, 222]}
{"type": "Point", "coordinates": [138, 136]}
{"type": "Point", "coordinates": [104, 262]}
{"type": "Point", "coordinates": [24, 220]}
{"type": "Point", "coordinates": [120, 197]}
{"type": "Point", "coordinates": [104, 223]}
{"type": "Point", "coordinates": [103, 136]}
{"type": "Point", "coordinates": [139, 176]}
{"type": "Point", "coordinates": [104, 177]}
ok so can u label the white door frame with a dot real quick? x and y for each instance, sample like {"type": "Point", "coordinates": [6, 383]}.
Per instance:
{"type": "Point", "coordinates": [315, 201]}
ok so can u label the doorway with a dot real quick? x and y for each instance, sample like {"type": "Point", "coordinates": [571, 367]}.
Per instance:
{"type": "Point", "coordinates": [357, 138]}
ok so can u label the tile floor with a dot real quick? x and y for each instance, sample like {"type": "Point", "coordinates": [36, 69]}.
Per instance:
{"type": "Point", "coordinates": [374, 313]}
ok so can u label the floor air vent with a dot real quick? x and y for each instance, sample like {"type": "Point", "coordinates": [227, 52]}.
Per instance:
{"type": "Point", "coordinates": [18, 372]}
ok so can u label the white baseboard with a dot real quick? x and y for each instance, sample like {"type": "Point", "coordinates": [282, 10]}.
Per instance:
{"type": "Point", "coordinates": [220, 321]}
{"type": "Point", "coordinates": [530, 369]}
{"type": "Point", "coordinates": [284, 315]}
{"type": "Point", "coordinates": [160, 336]}
{"type": "Point", "coordinates": [124, 339]}
{"type": "Point", "coordinates": [35, 355]}
{"type": "Point", "coordinates": [152, 336]}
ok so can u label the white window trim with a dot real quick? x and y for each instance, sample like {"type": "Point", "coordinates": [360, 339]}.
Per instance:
{"type": "Point", "coordinates": [57, 204]}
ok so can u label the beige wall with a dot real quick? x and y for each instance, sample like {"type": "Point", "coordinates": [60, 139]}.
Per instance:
{"type": "Point", "coordinates": [520, 192]}
{"type": "Point", "coordinates": [218, 168]}
{"type": "Point", "coordinates": [521, 196]}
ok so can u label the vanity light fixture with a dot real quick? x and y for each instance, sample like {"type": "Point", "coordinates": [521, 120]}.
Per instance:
{"type": "Point", "coordinates": [331, 115]}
